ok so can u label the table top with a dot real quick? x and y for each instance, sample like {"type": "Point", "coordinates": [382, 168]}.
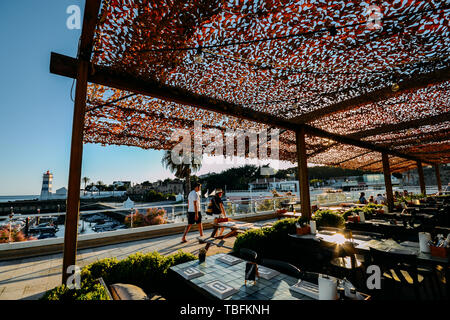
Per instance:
{"type": "Point", "coordinates": [363, 245]}
{"type": "Point", "coordinates": [276, 288]}
{"type": "Point", "coordinates": [376, 222]}
{"type": "Point", "coordinates": [241, 225]}
{"type": "Point", "coordinates": [291, 214]}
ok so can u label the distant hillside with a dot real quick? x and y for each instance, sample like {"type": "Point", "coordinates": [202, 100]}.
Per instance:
{"type": "Point", "coordinates": [239, 178]}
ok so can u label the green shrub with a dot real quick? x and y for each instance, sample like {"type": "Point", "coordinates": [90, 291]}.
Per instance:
{"type": "Point", "coordinates": [328, 218]}
{"type": "Point", "coordinates": [268, 241]}
{"type": "Point", "coordinates": [350, 212]}
{"type": "Point", "coordinates": [90, 290]}
{"type": "Point", "coordinates": [252, 239]}
{"type": "Point", "coordinates": [147, 271]}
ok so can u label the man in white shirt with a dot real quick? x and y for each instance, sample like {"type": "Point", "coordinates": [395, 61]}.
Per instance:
{"type": "Point", "coordinates": [194, 214]}
{"type": "Point", "coordinates": [380, 199]}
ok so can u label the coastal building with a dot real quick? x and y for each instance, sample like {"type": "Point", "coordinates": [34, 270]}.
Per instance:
{"type": "Point", "coordinates": [61, 192]}
{"type": "Point", "coordinates": [170, 186]}
{"type": "Point", "coordinates": [125, 184]}
{"type": "Point", "coordinates": [47, 182]}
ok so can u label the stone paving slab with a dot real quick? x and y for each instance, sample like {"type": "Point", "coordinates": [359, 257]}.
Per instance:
{"type": "Point", "coordinates": [30, 278]}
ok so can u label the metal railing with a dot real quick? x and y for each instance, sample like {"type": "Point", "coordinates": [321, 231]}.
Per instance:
{"type": "Point", "coordinates": [112, 219]}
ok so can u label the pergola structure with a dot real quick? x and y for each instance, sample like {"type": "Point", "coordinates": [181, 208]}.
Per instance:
{"type": "Point", "coordinates": [347, 83]}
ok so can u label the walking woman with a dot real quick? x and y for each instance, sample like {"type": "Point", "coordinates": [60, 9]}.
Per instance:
{"type": "Point", "coordinates": [217, 206]}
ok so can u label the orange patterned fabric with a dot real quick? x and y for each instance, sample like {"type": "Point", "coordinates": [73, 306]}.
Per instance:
{"type": "Point", "coordinates": [284, 58]}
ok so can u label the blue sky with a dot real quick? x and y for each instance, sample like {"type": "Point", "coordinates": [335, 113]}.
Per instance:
{"type": "Point", "coordinates": [36, 110]}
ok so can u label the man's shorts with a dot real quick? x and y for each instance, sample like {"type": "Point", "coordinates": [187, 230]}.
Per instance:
{"type": "Point", "coordinates": [191, 218]}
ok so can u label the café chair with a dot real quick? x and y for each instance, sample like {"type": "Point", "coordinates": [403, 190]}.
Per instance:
{"type": "Point", "coordinates": [249, 255]}
{"type": "Point", "coordinates": [343, 261]}
{"type": "Point", "coordinates": [312, 277]}
{"type": "Point", "coordinates": [283, 267]}
{"type": "Point", "coordinates": [399, 271]}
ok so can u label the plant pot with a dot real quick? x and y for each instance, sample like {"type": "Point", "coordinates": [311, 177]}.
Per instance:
{"type": "Point", "coordinates": [281, 211]}
{"type": "Point", "coordinates": [303, 230]}
{"type": "Point", "coordinates": [439, 251]}
{"type": "Point", "coordinates": [354, 219]}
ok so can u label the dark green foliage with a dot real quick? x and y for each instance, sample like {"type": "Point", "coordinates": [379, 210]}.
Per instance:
{"type": "Point", "coordinates": [328, 218]}
{"type": "Point", "coordinates": [233, 178]}
{"type": "Point", "coordinates": [350, 212]}
{"type": "Point", "coordinates": [153, 196]}
{"type": "Point", "coordinates": [147, 271]}
{"type": "Point", "coordinates": [268, 242]}
{"type": "Point", "coordinates": [90, 290]}
{"type": "Point", "coordinates": [239, 178]}
{"type": "Point", "coordinates": [253, 239]}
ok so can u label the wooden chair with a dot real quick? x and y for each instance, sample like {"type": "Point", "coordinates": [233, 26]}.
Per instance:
{"type": "Point", "coordinates": [249, 255]}
{"type": "Point", "coordinates": [283, 267]}
{"type": "Point", "coordinates": [399, 272]}
{"type": "Point", "coordinates": [344, 262]}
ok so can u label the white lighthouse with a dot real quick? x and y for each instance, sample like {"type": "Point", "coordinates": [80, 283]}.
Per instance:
{"type": "Point", "coordinates": [47, 181]}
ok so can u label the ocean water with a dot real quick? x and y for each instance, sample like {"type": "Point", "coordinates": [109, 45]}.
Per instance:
{"type": "Point", "coordinates": [15, 198]}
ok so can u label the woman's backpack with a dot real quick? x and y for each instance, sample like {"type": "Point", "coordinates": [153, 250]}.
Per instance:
{"type": "Point", "coordinates": [209, 209]}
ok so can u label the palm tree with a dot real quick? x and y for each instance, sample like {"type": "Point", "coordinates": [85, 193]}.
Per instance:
{"type": "Point", "coordinates": [183, 170]}
{"type": "Point", "coordinates": [99, 185]}
{"type": "Point", "coordinates": [85, 180]}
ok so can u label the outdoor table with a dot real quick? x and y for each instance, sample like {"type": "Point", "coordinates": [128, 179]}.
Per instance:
{"type": "Point", "coordinates": [363, 244]}
{"type": "Point", "coordinates": [290, 204]}
{"type": "Point", "coordinates": [334, 208]}
{"type": "Point", "coordinates": [384, 227]}
{"type": "Point", "coordinates": [275, 288]}
{"type": "Point", "coordinates": [289, 214]}
{"type": "Point", "coordinates": [235, 227]}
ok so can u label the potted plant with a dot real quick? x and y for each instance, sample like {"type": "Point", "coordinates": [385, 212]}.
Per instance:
{"type": "Point", "coordinates": [302, 226]}
{"type": "Point", "coordinates": [202, 255]}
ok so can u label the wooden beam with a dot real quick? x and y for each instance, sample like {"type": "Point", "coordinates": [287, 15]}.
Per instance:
{"type": "Point", "coordinates": [423, 190]}
{"type": "Point", "coordinates": [431, 137]}
{"type": "Point", "coordinates": [368, 164]}
{"type": "Point", "coordinates": [403, 168]}
{"type": "Point", "coordinates": [76, 152]}
{"type": "Point", "coordinates": [352, 158]}
{"type": "Point", "coordinates": [416, 82]}
{"type": "Point", "coordinates": [303, 173]}
{"type": "Point", "coordinates": [388, 182]}
{"type": "Point", "coordinates": [66, 66]}
{"type": "Point", "coordinates": [438, 177]}
{"type": "Point", "coordinates": [402, 126]}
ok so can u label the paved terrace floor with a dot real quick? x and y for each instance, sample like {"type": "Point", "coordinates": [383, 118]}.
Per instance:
{"type": "Point", "coordinates": [30, 278]}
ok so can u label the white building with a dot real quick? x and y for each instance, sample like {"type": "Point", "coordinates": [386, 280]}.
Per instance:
{"type": "Point", "coordinates": [47, 183]}
{"type": "Point", "coordinates": [61, 192]}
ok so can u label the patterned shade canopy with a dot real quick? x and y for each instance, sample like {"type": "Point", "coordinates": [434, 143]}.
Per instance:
{"type": "Point", "coordinates": [377, 72]}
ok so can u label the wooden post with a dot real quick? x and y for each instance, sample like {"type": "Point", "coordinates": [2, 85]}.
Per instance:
{"type": "Point", "coordinates": [438, 177]}
{"type": "Point", "coordinates": [388, 182]}
{"type": "Point", "coordinates": [76, 152]}
{"type": "Point", "coordinates": [421, 178]}
{"type": "Point", "coordinates": [76, 155]}
{"type": "Point", "coordinates": [303, 172]}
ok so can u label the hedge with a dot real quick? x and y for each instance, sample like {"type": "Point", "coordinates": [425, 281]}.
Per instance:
{"type": "Point", "coordinates": [274, 241]}
{"type": "Point", "coordinates": [270, 242]}
{"type": "Point", "coordinates": [147, 271]}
